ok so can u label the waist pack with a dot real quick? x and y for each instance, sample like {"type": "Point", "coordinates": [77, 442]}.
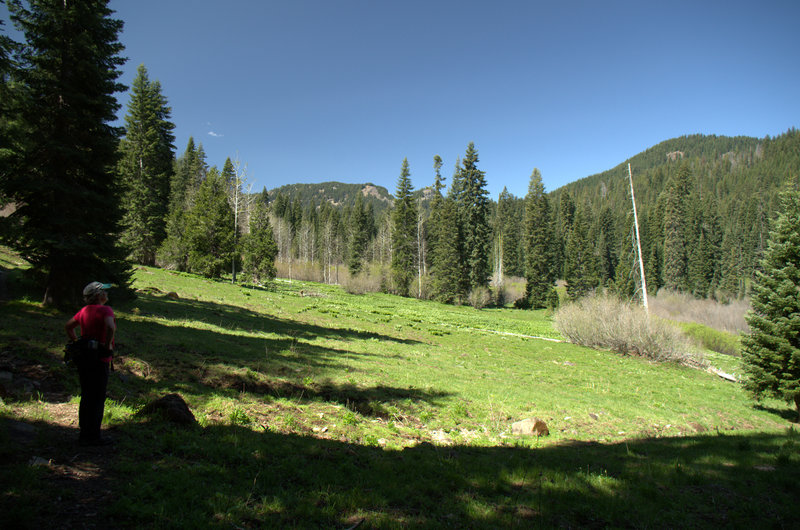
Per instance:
{"type": "Point", "coordinates": [84, 350]}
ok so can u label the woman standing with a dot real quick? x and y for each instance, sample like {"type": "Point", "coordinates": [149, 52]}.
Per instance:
{"type": "Point", "coordinates": [98, 326]}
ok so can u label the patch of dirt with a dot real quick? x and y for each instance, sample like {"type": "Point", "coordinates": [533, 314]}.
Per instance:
{"type": "Point", "coordinates": [78, 482]}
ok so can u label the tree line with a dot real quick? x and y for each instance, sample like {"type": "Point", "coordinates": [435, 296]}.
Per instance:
{"type": "Point", "coordinates": [705, 204]}
{"type": "Point", "coordinates": [85, 199]}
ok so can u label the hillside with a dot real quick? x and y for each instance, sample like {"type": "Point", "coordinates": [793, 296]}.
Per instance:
{"type": "Point", "coordinates": [337, 194]}
{"type": "Point", "coordinates": [730, 196]}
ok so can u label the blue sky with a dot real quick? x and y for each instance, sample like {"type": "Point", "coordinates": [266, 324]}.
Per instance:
{"type": "Point", "coordinates": [311, 91]}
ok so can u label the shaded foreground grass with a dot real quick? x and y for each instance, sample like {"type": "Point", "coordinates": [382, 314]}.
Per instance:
{"type": "Point", "coordinates": [232, 476]}
{"type": "Point", "coordinates": [318, 408]}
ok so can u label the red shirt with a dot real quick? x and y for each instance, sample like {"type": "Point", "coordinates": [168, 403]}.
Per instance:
{"type": "Point", "coordinates": [92, 320]}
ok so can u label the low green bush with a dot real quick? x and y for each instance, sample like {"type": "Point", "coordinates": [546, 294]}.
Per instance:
{"type": "Point", "coordinates": [712, 339]}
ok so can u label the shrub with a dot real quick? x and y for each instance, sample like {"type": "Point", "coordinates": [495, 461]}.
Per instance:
{"type": "Point", "coordinates": [361, 283]}
{"type": "Point", "coordinates": [480, 297]}
{"type": "Point", "coordinates": [712, 339]}
{"type": "Point", "coordinates": [684, 307]}
{"type": "Point", "coordinates": [499, 295]}
{"type": "Point", "coordinates": [606, 322]}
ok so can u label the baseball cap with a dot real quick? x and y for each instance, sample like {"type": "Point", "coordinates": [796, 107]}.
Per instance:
{"type": "Point", "coordinates": [95, 287]}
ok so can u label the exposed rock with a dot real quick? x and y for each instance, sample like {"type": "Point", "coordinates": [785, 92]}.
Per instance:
{"type": "Point", "coordinates": [173, 295]}
{"type": "Point", "coordinates": [675, 155]}
{"type": "Point", "coordinates": [594, 416]}
{"type": "Point", "coordinates": [173, 408]}
{"type": "Point", "coordinates": [530, 426]}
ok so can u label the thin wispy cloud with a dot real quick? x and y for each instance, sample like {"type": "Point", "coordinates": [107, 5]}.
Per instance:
{"type": "Point", "coordinates": [215, 135]}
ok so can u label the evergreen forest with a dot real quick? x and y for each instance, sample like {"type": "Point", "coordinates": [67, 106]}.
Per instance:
{"type": "Point", "coordinates": [705, 203]}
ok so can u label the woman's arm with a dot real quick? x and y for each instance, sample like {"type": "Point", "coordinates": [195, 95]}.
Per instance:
{"type": "Point", "coordinates": [70, 328]}
{"type": "Point", "coordinates": [111, 329]}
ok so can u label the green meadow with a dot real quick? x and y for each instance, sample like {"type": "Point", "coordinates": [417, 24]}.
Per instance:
{"type": "Point", "coordinates": [318, 408]}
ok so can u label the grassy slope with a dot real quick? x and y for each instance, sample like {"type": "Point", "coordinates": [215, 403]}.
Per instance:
{"type": "Point", "coordinates": [322, 408]}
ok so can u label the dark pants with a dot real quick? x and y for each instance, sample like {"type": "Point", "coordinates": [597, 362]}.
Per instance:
{"type": "Point", "coordinates": [94, 380]}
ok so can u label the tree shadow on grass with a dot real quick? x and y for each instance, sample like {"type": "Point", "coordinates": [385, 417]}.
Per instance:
{"type": "Point", "coordinates": [232, 476]}
{"type": "Point", "coordinates": [152, 355]}
{"type": "Point", "coordinates": [237, 318]}
{"type": "Point", "coordinates": [787, 413]}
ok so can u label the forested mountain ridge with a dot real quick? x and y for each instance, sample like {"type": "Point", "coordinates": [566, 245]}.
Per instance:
{"type": "Point", "coordinates": [727, 191]}
{"type": "Point", "coordinates": [338, 194]}
{"type": "Point", "coordinates": [704, 205]}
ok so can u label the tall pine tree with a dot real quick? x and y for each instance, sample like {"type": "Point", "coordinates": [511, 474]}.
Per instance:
{"type": "Point", "coordinates": [67, 221]}
{"type": "Point", "coordinates": [580, 264]}
{"type": "Point", "coordinates": [450, 283]}
{"type": "Point", "coordinates": [146, 168]}
{"type": "Point", "coordinates": [404, 223]}
{"type": "Point", "coordinates": [434, 221]}
{"type": "Point", "coordinates": [676, 230]}
{"type": "Point", "coordinates": [189, 173]}
{"type": "Point", "coordinates": [771, 351]}
{"type": "Point", "coordinates": [539, 268]}
{"type": "Point", "coordinates": [259, 248]}
{"type": "Point", "coordinates": [510, 214]}
{"type": "Point", "coordinates": [474, 202]}
{"type": "Point", "coordinates": [359, 235]}
{"type": "Point", "coordinates": [209, 228]}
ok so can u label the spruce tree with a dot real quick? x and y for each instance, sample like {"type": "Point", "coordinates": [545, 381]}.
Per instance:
{"type": "Point", "coordinates": [449, 282]}
{"type": "Point", "coordinates": [190, 170]}
{"type": "Point", "coordinates": [539, 269]}
{"type": "Point", "coordinates": [580, 264]}
{"type": "Point", "coordinates": [404, 222]}
{"type": "Point", "coordinates": [508, 231]}
{"type": "Point", "coordinates": [566, 214]}
{"type": "Point", "coordinates": [146, 168]}
{"type": "Point", "coordinates": [228, 172]}
{"type": "Point", "coordinates": [209, 228]}
{"type": "Point", "coordinates": [474, 202]}
{"type": "Point", "coordinates": [676, 230]}
{"type": "Point", "coordinates": [359, 236]}
{"type": "Point", "coordinates": [62, 179]}
{"type": "Point", "coordinates": [703, 262]}
{"type": "Point", "coordinates": [7, 112]}
{"type": "Point", "coordinates": [259, 248]}
{"type": "Point", "coordinates": [771, 351]}
{"type": "Point", "coordinates": [434, 221]}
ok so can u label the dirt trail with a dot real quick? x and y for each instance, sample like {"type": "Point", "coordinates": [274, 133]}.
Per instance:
{"type": "Point", "coordinates": [77, 485]}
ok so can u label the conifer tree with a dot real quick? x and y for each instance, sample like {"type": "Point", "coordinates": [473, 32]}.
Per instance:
{"type": "Point", "coordinates": [209, 228]}
{"type": "Point", "coordinates": [146, 168]}
{"type": "Point", "coordinates": [228, 172]}
{"type": "Point", "coordinates": [259, 248]}
{"type": "Point", "coordinates": [359, 236]}
{"type": "Point", "coordinates": [67, 221]}
{"type": "Point", "coordinates": [404, 222]}
{"type": "Point", "coordinates": [449, 282]}
{"type": "Point", "coordinates": [189, 172]}
{"type": "Point", "coordinates": [539, 269]}
{"type": "Point", "coordinates": [434, 221]}
{"type": "Point", "coordinates": [474, 201]}
{"type": "Point", "coordinates": [676, 230]}
{"type": "Point", "coordinates": [509, 234]}
{"type": "Point", "coordinates": [580, 266]}
{"type": "Point", "coordinates": [604, 237]}
{"type": "Point", "coordinates": [771, 351]}
{"type": "Point", "coordinates": [566, 214]}
{"type": "Point", "coordinates": [7, 111]}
